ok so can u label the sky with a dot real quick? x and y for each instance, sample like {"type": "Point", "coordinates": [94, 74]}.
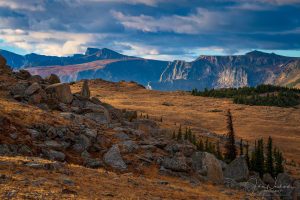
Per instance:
{"type": "Point", "coordinates": [157, 29]}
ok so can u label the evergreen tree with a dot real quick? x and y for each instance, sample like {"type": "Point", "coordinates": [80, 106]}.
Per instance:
{"type": "Point", "coordinates": [230, 148]}
{"type": "Point", "coordinates": [193, 139]}
{"type": "Point", "coordinates": [219, 153]}
{"type": "Point", "coordinates": [186, 134]}
{"type": "Point", "coordinates": [200, 146]}
{"type": "Point", "coordinates": [179, 135]}
{"type": "Point", "coordinates": [269, 160]}
{"type": "Point", "coordinates": [206, 148]}
{"type": "Point", "coordinates": [174, 135]}
{"type": "Point", "coordinates": [259, 163]}
{"type": "Point", "coordinates": [190, 135]}
{"type": "Point", "coordinates": [247, 155]}
{"type": "Point", "coordinates": [278, 162]}
{"type": "Point", "coordinates": [241, 147]}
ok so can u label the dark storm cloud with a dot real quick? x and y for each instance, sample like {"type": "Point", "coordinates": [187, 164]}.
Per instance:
{"type": "Point", "coordinates": [151, 27]}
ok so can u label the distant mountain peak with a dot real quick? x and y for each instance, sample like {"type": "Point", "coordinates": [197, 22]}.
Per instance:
{"type": "Point", "coordinates": [90, 51]}
{"type": "Point", "coordinates": [260, 53]}
{"type": "Point", "coordinates": [104, 53]}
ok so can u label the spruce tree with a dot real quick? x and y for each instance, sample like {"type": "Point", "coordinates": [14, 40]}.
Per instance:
{"type": "Point", "coordinates": [174, 135]}
{"type": "Point", "coordinates": [230, 148]}
{"type": "Point", "coordinates": [206, 148]}
{"type": "Point", "coordinates": [241, 147]}
{"type": "Point", "coordinates": [259, 163]}
{"type": "Point", "coordinates": [278, 162]}
{"type": "Point", "coordinates": [247, 155]}
{"type": "Point", "coordinates": [269, 160]}
{"type": "Point", "coordinates": [186, 134]}
{"type": "Point", "coordinates": [179, 135]}
{"type": "Point", "coordinates": [200, 146]}
{"type": "Point", "coordinates": [219, 153]}
{"type": "Point", "coordinates": [193, 139]}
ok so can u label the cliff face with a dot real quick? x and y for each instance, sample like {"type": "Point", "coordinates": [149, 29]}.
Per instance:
{"type": "Point", "coordinates": [251, 69]}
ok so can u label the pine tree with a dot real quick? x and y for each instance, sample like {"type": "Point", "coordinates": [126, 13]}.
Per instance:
{"type": "Point", "coordinates": [147, 116]}
{"type": "Point", "coordinates": [206, 148]}
{"type": "Point", "coordinates": [278, 162]}
{"type": "Point", "coordinates": [219, 153]}
{"type": "Point", "coordinates": [269, 160]}
{"type": "Point", "coordinates": [241, 147]}
{"type": "Point", "coordinates": [247, 155]}
{"type": "Point", "coordinates": [259, 163]}
{"type": "Point", "coordinates": [174, 135]}
{"type": "Point", "coordinates": [193, 139]}
{"type": "Point", "coordinates": [200, 146]}
{"type": "Point", "coordinates": [189, 134]}
{"type": "Point", "coordinates": [161, 119]}
{"type": "Point", "coordinates": [179, 135]}
{"type": "Point", "coordinates": [230, 148]}
{"type": "Point", "coordinates": [186, 134]}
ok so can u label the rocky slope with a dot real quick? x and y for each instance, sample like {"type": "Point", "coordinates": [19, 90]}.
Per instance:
{"type": "Point", "coordinates": [251, 69]}
{"type": "Point", "coordinates": [41, 117]}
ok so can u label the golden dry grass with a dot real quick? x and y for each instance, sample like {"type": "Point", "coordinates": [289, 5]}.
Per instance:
{"type": "Point", "coordinates": [28, 183]}
{"type": "Point", "coordinates": [206, 114]}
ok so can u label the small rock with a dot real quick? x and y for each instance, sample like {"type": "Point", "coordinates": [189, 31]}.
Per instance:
{"type": "Point", "coordinates": [114, 159]}
{"type": "Point", "coordinates": [176, 163]}
{"type": "Point", "coordinates": [55, 155]}
{"type": "Point", "coordinates": [93, 163]}
{"type": "Point", "coordinates": [122, 136]}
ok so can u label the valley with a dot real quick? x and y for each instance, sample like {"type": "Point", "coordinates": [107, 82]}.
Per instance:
{"type": "Point", "coordinates": [205, 114]}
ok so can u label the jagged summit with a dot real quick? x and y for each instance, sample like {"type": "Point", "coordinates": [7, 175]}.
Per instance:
{"type": "Point", "coordinates": [257, 53]}
{"type": "Point", "coordinates": [104, 53]}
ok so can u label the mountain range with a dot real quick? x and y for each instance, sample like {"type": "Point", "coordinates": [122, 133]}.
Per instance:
{"type": "Point", "coordinates": [251, 69]}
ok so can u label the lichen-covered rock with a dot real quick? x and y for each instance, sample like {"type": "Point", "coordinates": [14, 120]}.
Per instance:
{"type": "Point", "coordinates": [114, 159]}
{"type": "Point", "coordinates": [176, 163]}
{"type": "Point", "coordinates": [208, 165]}
{"type": "Point", "coordinates": [237, 170]}
{"type": "Point", "coordinates": [60, 92]}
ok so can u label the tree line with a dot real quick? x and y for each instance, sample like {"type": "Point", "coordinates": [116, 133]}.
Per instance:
{"type": "Point", "coordinates": [262, 95]}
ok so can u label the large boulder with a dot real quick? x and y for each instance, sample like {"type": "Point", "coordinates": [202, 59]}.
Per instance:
{"type": "Point", "coordinates": [268, 179]}
{"type": "Point", "coordinates": [237, 170]}
{"type": "Point", "coordinates": [32, 89]}
{"type": "Point", "coordinates": [176, 163]}
{"type": "Point", "coordinates": [207, 164]}
{"type": "Point", "coordinates": [85, 90]}
{"type": "Point", "coordinates": [114, 159]}
{"type": "Point", "coordinates": [60, 92]}
{"type": "Point", "coordinates": [296, 193]}
{"type": "Point", "coordinates": [52, 79]}
{"type": "Point", "coordinates": [285, 183]}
